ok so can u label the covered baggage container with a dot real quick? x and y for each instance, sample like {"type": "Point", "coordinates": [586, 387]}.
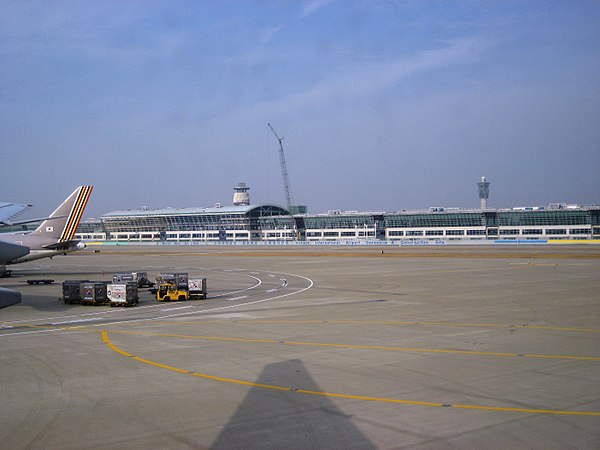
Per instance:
{"type": "Point", "coordinates": [93, 293]}
{"type": "Point", "coordinates": [71, 291]}
{"type": "Point", "coordinates": [178, 279]}
{"type": "Point", "coordinates": [140, 278]}
{"type": "Point", "coordinates": [123, 294]}
{"type": "Point", "coordinates": [197, 288]}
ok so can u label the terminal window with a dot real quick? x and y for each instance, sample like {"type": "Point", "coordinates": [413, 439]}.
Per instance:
{"type": "Point", "coordinates": [475, 232]}
{"type": "Point", "coordinates": [580, 231]}
{"type": "Point", "coordinates": [532, 231]}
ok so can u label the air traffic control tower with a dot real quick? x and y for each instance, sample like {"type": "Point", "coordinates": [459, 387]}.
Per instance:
{"type": "Point", "coordinates": [484, 192]}
{"type": "Point", "coordinates": [241, 197]}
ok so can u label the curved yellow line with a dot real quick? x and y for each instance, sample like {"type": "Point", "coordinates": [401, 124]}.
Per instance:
{"type": "Point", "coordinates": [362, 347]}
{"type": "Point", "coordinates": [387, 322]}
{"type": "Point", "coordinates": [107, 341]}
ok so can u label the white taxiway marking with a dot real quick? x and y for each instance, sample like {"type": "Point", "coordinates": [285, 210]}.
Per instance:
{"type": "Point", "coordinates": [177, 308]}
{"type": "Point", "coordinates": [93, 319]}
{"type": "Point", "coordinates": [209, 310]}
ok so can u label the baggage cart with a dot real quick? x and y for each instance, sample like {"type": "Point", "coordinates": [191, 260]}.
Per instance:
{"type": "Point", "coordinates": [197, 288]}
{"type": "Point", "coordinates": [71, 291]}
{"type": "Point", "coordinates": [123, 294]}
{"type": "Point", "coordinates": [93, 293]}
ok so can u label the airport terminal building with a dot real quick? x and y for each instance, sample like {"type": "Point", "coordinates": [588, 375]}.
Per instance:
{"type": "Point", "coordinates": [243, 222]}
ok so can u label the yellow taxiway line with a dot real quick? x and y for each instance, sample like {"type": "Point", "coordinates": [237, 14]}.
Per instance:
{"type": "Point", "coordinates": [360, 347]}
{"type": "Point", "coordinates": [107, 341]}
{"type": "Point", "coordinates": [388, 322]}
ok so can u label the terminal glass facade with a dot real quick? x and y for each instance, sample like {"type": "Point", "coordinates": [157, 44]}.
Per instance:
{"type": "Point", "coordinates": [543, 218]}
{"type": "Point", "coordinates": [435, 219]}
{"type": "Point", "coordinates": [338, 221]}
{"type": "Point", "coordinates": [242, 222]}
{"type": "Point", "coordinates": [272, 223]}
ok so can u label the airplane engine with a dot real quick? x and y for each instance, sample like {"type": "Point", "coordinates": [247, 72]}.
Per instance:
{"type": "Point", "coordinates": [80, 245]}
{"type": "Point", "coordinates": [8, 297]}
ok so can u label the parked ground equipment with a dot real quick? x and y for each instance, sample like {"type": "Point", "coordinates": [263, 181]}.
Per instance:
{"type": "Point", "coordinates": [197, 288]}
{"type": "Point", "coordinates": [43, 281]}
{"type": "Point", "coordinates": [168, 291]}
{"type": "Point", "coordinates": [123, 294]}
{"type": "Point", "coordinates": [178, 279]}
{"type": "Point", "coordinates": [140, 278]}
{"type": "Point", "coordinates": [94, 293]}
{"type": "Point", "coordinates": [71, 291]}
{"type": "Point", "coordinates": [172, 286]}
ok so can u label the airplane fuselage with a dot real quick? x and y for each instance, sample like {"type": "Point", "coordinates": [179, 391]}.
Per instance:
{"type": "Point", "coordinates": [54, 236]}
{"type": "Point", "coordinates": [36, 247]}
{"type": "Point", "coordinates": [39, 254]}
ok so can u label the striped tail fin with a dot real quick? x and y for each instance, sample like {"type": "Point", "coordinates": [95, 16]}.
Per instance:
{"type": "Point", "coordinates": [63, 222]}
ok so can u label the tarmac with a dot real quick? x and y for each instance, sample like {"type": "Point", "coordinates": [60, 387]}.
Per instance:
{"type": "Point", "coordinates": [310, 348]}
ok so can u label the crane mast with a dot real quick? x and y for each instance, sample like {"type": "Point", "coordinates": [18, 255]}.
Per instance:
{"type": "Point", "coordinates": [284, 172]}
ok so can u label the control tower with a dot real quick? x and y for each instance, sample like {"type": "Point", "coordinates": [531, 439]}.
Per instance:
{"type": "Point", "coordinates": [484, 192]}
{"type": "Point", "coordinates": [241, 197]}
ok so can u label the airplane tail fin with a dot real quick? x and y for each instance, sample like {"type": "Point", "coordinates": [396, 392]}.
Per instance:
{"type": "Point", "coordinates": [63, 222]}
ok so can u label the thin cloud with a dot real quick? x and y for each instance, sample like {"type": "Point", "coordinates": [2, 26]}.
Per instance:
{"type": "Point", "coordinates": [267, 34]}
{"type": "Point", "coordinates": [374, 78]}
{"type": "Point", "coordinates": [28, 31]}
{"type": "Point", "coordinates": [313, 6]}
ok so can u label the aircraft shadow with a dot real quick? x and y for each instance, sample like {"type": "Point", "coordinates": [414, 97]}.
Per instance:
{"type": "Point", "coordinates": [273, 419]}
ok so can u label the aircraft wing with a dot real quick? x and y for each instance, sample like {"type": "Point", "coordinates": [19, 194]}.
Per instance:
{"type": "Point", "coordinates": [6, 223]}
{"type": "Point", "coordinates": [10, 210]}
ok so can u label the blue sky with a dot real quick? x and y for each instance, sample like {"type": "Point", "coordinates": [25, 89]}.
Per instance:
{"type": "Point", "coordinates": [384, 105]}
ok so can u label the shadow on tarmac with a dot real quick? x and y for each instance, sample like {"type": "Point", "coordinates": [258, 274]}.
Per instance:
{"type": "Point", "coordinates": [273, 419]}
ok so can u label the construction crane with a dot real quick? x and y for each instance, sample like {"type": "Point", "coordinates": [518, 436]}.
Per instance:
{"type": "Point", "coordinates": [284, 172]}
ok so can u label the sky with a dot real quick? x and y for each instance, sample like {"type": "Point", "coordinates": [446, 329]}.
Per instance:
{"type": "Point", "coordinates": [383, 105]}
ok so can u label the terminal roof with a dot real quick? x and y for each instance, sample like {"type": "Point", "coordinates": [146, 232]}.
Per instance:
{"type": "Point", "coordinates": [217, 210]}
